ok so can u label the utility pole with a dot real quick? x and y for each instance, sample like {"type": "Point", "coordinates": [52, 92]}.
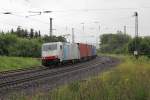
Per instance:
{"type": "Point", "coordinates": [51, 28]}
{"type": "Point", "coordinates": [72, 35]}
{"type": "Point", "coordinates": [136, 52]}
{"type": "Point", "coordinates": [99, 28]}
{"type": "Point", "coordinates": [83, 27]}
{"type": "Point", "coordinates": [66, 29]}
{"type": "Point", "coordinates": [98, 38]}
{"type": "Point", "coordinates": [136, 24]}
{"type": "Point", "coordinates": [125, 29]}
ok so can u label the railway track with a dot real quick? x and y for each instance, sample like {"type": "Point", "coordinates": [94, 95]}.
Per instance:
{"type": "Point", "coordinates": [27, 73]}
{"type": "Point", "coordinates": [18, 70]}
{"type": "Point", "coordinates": [9, 81]}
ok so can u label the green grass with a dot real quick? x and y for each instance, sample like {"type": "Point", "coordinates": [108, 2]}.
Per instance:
{"type": "Point", "coordinates": [128, 81]}
{"type": "Point", "coordinates": [13, 63]}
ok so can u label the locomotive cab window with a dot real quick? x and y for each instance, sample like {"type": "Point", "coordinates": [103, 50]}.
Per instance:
{"type": "Point", "coordinates": [50, 47]}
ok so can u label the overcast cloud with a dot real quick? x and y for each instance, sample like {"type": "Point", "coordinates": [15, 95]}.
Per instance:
{"type": "Point", "coordinates": [112, 15]}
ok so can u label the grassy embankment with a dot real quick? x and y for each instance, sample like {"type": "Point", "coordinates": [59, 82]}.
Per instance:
{"type": "Point", "coordinates": [128, 81]}
{"type": "Point", "coordinates": [13, 63]}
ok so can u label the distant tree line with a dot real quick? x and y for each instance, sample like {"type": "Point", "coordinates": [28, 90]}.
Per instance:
{"type": "Point", "coordinates": [24, 33]}
{"type": "Point", "coordinates": [24, 43]}
{"type": "Point", "coordinates": [121, 43]}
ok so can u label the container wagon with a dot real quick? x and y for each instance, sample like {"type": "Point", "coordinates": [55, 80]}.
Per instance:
{"type": "Point", "coordinates": [70, 52]}
{"type": "Point", "coordinates": [83, 49]}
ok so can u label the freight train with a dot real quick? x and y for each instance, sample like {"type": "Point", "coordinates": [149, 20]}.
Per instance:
{"type": "Point", "coordinates": [62, 52]}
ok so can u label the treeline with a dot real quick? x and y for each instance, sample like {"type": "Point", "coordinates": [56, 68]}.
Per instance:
{"type": "Point", "coordinates": [24, 43]}
{"type": "Point", "coordinates": [24, 33]}
{"type": "Point", "coordinates": [121, 43]}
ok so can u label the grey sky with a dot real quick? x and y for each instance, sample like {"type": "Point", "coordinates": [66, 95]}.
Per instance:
{"type": "Point", "coordinates": [112, 15]}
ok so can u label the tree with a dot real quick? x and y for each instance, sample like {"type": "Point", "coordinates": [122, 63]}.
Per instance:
{"type": "Point", "coordinates": [114, 43]}
{"type": "Point", "coordinates": [6, 42]}
{"type": "Point", "coordinates": [12, 31]}
{"type": "Point", "coordinates": [36, 35]}
{"type": "Point", "coordinates": [143, 46]}
{"type": "Point", "coordinates": [39, 33]}
{"type": "Point", "coordinates": [2, 32]}
{"type": "Point", "coordinates": [18, 32]}
{"type": "Point", "coordinates": [31, 33]}
{"type": "Point", "coordinates": [47, 38]}
{"type": "Point", "coordinates": [22, 33]}
{"type": "Point", "coordinates": [26, 33]}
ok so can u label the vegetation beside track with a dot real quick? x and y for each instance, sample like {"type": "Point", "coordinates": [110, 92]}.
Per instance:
{"type": "Point", "coordinates": [128, 81]}
{"type": "Point", "coordinates": [20, 43]}
{"type": "Point", "coordinates": [13, 63]}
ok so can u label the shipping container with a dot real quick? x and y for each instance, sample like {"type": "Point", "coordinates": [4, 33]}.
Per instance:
{"type": "Point", "coordinates": [66, 51]}
{"type": "Point", "coordinates": [89, 47]}
{"type": "Point", "coordinates": [83, 50]}
{"type": "Point", "coordinates": [70, 51]}
{"type": "Point", "coordinates": [93, 51]}
{"type": "Point", "coordinates": [74, 51]}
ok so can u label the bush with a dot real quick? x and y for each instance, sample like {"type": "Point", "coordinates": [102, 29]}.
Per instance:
{"type": "Point", "coordinates": [12, 45]}
{"type": "Point", "coordinates": [114, 43]}
{"type": "Point", "coordinates": [26, 48]}
{"type": "Point", "coordinates": [142, 45]}
{"type": "Point", "coordinates": [7, 41]}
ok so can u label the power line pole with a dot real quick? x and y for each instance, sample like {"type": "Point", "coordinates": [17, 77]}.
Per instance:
{"type": "Point", "coordinates": [83, 27]}
{"type": "Point", "coordinates": [136, 24]}
{"type": "Point", "coordinates": [99, 28]}
{"type": "Point", "coordinates": [51, 27]}
{"type": "Point", "coordinates": [98, 40]}
{"type": "Point", "coordinates": [72, 35]}
{"type": "Point", "coordinates": [125, 28]}
{"type": "Point", "coordinates": [136, 51]}
{"type": "Point", "coordinates": [66, 29]}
